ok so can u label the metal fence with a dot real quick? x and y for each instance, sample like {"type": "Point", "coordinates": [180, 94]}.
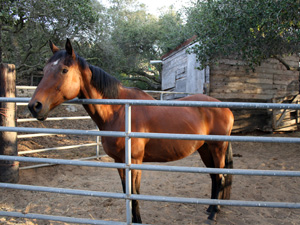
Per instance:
{"type": "Point", "coordinates": [97, 143]}
{"type": "Point", "coordinates": [29, 91]}
{"type": "Point", "coordinates": [127, 134]}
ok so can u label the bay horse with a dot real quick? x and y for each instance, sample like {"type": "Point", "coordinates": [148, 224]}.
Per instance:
{"type": "Point", "coordinates": [67, 75]}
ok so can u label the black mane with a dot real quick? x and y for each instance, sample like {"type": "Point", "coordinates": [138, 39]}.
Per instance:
{"type": "Point", "coordinates": [104, 83]}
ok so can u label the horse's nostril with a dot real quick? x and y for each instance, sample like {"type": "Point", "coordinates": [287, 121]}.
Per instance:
{"type": "Point", "coordinates": [38, 110]}
{"type": "Point", "coordinates": [37, 107]}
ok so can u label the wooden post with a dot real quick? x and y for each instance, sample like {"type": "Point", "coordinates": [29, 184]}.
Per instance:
{"type": "Point", "coordinates": [9, 170]}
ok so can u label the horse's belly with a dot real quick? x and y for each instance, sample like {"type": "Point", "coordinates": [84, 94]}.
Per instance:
{"type": "Point", "coordinates": [159, 150]}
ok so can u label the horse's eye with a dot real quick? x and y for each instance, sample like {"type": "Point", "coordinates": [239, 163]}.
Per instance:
{"type": "Point", "coordinates": [64, 71]}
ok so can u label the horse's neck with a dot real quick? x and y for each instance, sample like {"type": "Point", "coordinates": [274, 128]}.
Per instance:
{"type": "Point", "coordinates": [103, 115]}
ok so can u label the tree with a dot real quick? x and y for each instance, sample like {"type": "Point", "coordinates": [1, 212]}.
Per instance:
{"type": "Point", "coordinates": [172, 30]}
{"type": "Point", "coordinates": [139, 37]}
{"type": "Point", "coordinates": [27, 26]}
{"type": "Point", "coordinates": [121, 38]}
{"type": "Point", "coordinates": [252, 30]}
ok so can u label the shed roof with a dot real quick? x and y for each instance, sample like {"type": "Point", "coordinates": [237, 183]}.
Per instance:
{"type": "Point", "coordinates": [183, 45]}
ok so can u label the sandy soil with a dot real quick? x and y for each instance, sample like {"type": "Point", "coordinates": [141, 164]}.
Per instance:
{"type": "Point", "coordinates": [247, 156]}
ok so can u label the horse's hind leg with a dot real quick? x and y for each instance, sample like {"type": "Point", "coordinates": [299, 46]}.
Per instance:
{"type": "Point", "coordinates": [213, 155]}
{"type": "Point", "coordinates": [136, 181]}
{"type": "Point", "coordinates": [228, 177]}
{"type": "Point", "coordinates": [207, 159]}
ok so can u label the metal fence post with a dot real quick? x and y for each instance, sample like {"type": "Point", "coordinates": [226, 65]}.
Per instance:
{"type": "Point", "coordinates": [98, 146]}
{"type": "Point", "coordinates": [128, 163]}
{"type": "Point", "coordinates": [162, 96]}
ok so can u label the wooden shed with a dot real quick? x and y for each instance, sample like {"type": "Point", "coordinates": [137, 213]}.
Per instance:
{"type": "Point", "coordinates": [231, 80]}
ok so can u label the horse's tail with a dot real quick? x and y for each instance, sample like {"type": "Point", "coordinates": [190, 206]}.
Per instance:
{"type": "Point", "coordinates": [228, 177]}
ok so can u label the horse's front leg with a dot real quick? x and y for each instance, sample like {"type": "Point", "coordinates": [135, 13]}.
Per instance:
{"type": "Point", "coordinates": [217, 187]}
{"type": "Point", "coordinates": [136, 180]}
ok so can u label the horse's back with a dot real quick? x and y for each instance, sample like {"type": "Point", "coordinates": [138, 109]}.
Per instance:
{"type": "Point", "coordinates": [218, 120]}
{"type": "Point", "coordinates": [199, 97]}
{"type": "Point", "coordinates": [189, 120]}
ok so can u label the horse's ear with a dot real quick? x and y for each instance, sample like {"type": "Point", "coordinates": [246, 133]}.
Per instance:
{"type": "Point", "coordinates": [54, 49]}
{"type": "Point", "coordinates": [69, 49]}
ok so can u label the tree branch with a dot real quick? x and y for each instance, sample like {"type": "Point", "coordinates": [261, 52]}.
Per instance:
{"type": "Point", "coordinates": [155, 86]}
{"type": "Point", "coordinates": [145, 74]}
{"type": "Point", "coordinates": [30, 52]}
{"type": "Point", "coordinates": [287, 66]}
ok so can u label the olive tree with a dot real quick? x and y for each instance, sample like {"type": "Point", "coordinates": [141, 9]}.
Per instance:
{"type": "Point", "coordinates": [252, 30]}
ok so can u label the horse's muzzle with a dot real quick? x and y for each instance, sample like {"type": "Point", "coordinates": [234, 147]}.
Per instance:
{"type": "Point", "coordinates": [37, 110]}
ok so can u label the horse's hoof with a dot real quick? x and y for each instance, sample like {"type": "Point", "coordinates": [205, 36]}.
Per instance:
{"type": "Point", "coordinates": [213, 216]}
{"type": "Point", "coordinates": [209, 222]}
{"type": "Point", "coordinates": [137, 220]}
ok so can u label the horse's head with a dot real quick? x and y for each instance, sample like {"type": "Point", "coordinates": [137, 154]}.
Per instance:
{"type": "Point", "coordinates": [61, 82]}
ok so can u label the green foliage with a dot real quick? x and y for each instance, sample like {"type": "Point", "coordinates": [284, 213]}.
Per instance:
{"type": "Point", "coordinates": [27, 27]}
{"type": "Point", "coordinates": [138, 37]}
{"type": "Point", "coordinates": [172, 30]}
{"type": "Point", "coordinates": [252, 30]}
{"type": "Point", "coordinates": [121, 38]}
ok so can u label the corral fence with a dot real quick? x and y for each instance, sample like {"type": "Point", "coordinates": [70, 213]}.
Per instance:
{"type": "Point", "coordinates": [27, 91]}
{"type": "Point", "coordinates": [127, 134]}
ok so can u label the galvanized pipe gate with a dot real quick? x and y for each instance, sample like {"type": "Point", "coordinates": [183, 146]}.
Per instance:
{"type": "Point", "coordinates": [128, 166]}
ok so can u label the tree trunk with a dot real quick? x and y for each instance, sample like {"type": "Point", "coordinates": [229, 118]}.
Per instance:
{"type": "Point", "coordinates": [0, 42]}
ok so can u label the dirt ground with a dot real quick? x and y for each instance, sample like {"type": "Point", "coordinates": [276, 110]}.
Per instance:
{"type": "Point", "coordinates": [246, 156]}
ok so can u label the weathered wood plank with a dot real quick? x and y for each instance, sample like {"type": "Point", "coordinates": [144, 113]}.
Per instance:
{"type": "Point", "coordinates": [9, 170]}
{"type": "Point", "coordinates": [239, 96]}
{"type": "Point", "coordinates": [243, 79]}
{"type": "Point", "coordinates": [285, 120]}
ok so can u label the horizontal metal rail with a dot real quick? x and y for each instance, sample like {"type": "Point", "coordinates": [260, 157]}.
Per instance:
{"type": "Point", "coordinates": [51, 164]}
{"type": "Point", "coordinates": [241, 105]}
{"type": "Point", "coordinates": [63, 162]}
{"type": "Point", "coordinates": [55, 119]}
{"type": "Point", "coordinates": [26, 87]}
{"type": "Point", "coordinates": [283, 173]}
{"type": "Point", "coordinates": [21, 136]}
{"type": "Point", "coordinates": [57, 148]}
{"type": "Point", "coordinates": [147, 91]}
{"type": "Point", "coordinates": [60, 218]}
{"type": "Point", "coordinates": [152, 197]}
{"type": "Point", "coordinates": [153, 135]}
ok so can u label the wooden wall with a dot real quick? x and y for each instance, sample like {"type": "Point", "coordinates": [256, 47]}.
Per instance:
{"type": "Point", "coordinates": [230, 79]}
